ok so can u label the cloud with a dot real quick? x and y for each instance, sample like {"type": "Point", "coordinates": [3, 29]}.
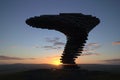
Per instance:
{"type": "Point", "coordinates": [12, 58]}
{"type": "Point", "coordinates": [88, 54]}
{"type": "Point", "coordinates": [55, 41]}
{"type": "Point", "coordinates": [48, 47]}
{"type": "Point", "coordinates": [89, 49]}
{"type": "Point", "coordinates": [116, 43]}
{"type": "Point", "coordinates": [37, 47]}
{"type": "Point", "coordinates": [52, 40]}
{"type": "Point", "coordinates": [58, 44]}
{"type": "Point", "coordinates": [92, 46]}
{"type": "Point", "coordinates": [113, 61]}
{"type": "Point", "coordinates": [51, 47]}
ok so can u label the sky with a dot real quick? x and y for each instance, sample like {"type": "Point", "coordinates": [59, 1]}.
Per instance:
{"type": "Point", "coordinates": [20, 43]}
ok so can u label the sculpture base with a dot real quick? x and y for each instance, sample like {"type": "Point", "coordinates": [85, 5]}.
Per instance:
{"type": "Point", "coordinates": [70, 66]}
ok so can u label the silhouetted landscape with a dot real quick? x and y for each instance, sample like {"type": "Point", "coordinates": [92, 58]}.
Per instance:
{"type": "Point", "coordinates": [81, 35]}
{"type": "Point", "coordinates": [49, 72]}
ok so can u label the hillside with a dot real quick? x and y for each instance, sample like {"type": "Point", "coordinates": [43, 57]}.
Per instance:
{"type": "Point", "coordinates": [58, 74]}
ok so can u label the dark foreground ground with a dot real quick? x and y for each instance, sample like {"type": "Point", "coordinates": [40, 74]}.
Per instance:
{"type": "Point", "coordinates": [53, 74]}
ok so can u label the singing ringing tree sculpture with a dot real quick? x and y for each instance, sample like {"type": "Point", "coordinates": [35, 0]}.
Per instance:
{"type": "Point", "coordinates": [75, 26]}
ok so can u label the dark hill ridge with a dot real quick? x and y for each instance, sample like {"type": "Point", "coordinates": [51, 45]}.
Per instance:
{"type": "Point", "coordinates": [11, 68]}
{"type": "Point", "coordinates": [60, 74]}
{"type": "Point", "coordinates": [48, 72]}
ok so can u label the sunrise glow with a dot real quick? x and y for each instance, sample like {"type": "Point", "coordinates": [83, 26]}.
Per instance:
{"type": "Point", "coordinates": [56, 62]}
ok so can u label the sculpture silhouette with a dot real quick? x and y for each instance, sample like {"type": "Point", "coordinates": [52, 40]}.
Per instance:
{"type": "Point", "coordinates": [75, 26]}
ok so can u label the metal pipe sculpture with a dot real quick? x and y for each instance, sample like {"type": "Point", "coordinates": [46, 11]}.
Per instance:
{"type": "Point", "coordinates": [75, 26]}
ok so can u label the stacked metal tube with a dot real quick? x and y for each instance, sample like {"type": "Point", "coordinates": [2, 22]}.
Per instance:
{"type": "Point", "coordinates": [75, 26]}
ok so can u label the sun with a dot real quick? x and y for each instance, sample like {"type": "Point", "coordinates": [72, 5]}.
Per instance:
{"type": "Point", "coordinates": [56, 62]}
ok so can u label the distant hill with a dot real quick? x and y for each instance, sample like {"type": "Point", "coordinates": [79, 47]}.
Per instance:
{"type": "Point", "coordinates": [11, 68]}
{"type": "Point", "coordinates": [101, 67]}
{"type": "Point", "coordinates": [60, 74]}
